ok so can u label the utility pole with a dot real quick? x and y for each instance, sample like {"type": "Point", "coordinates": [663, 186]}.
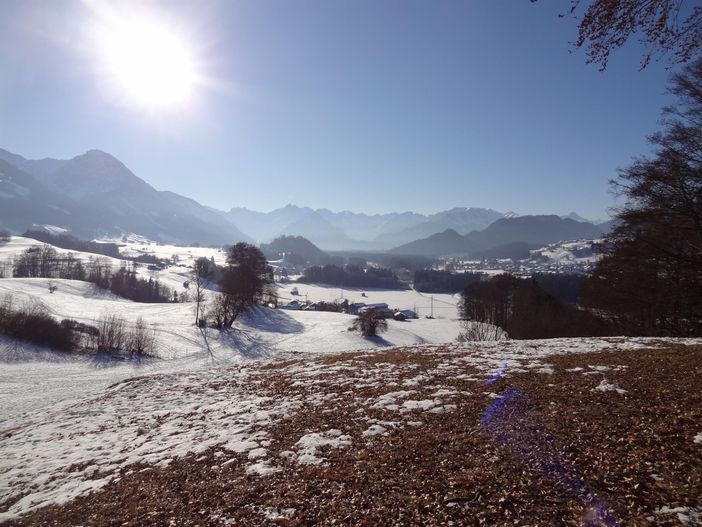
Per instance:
{"type": "Point", "coordinates": [432, 306]}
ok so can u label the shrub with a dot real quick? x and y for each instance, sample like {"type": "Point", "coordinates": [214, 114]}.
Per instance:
{"type": "Point", "coordinates": [141, 341]}
{"type": "Point", "coordinates": [32, 323]}
{"type": "Point", "coordinates": [474, 331]}
{"type": "Point", "coordinates": [111, 333]}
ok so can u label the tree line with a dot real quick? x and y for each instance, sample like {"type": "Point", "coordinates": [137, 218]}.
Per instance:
{"type": "Point", "coordinates": [524, 310]}
{"type": "Point", "coordinates": [351, 276]}
{"type": "Point", "coordinates": [45, 262]}
{"type": "Point", "coordinates": [649, 279]}
{"type": "Point", "coordinates": [31, 322]}
{"type": "Point", "coordinates": [432, 281]}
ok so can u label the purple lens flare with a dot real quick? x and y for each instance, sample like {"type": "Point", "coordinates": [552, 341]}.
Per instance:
{"type": "Point", "coordinates": [515, 424]}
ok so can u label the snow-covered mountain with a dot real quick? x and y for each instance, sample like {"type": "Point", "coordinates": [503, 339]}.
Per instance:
{"type": "Point", "coordinates": [350, 230]}
{"type": "Point", "coordinates": [87, 175]}
{"type": "Point", "coordinates": [25, 202]}
{"type": "Point", "coordinates": [96, 194]}
{"type": "Point", "coordinates": [330, 230]}
{"type": "Point", "coordinates": [290, 220]}
{"type": "Point", "coordinates": [360, 226]}
{"type": "Point", "coordinates": [462, 220]}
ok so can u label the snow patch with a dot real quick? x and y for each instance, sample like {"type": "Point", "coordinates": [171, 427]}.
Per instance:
{"type": "Point", "coordinates": [443, 409]}
{"type": "Point", "coordinates": [263, 468]}
{"type": "Point", "coordinates": [423, 405]}
{"type": "Point", "coordinates": [605, 386]}
{"type": "Point", "coordinates": [688, 516]}
{"type": "Point", "coordinates": [309, 444]}
{"type": "Point", "coordinates": [375, 430]}
{"type": "Point", "coordinates": [388, 401]}
{"type": "Point", "coordinates": [272, 513]}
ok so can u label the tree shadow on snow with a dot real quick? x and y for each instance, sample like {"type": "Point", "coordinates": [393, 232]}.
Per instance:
{"type": "Point", "coordinates": [99, 360]}
{"type": "Point", "coordinates": [14, 351]}
{"type": "Point", "coordinates": [250, 345]}
{"type": "Point", "coordinates": [272, 321]}
{"type": "Point", "coordinates": [95, 291]}
{"type": "Point", "coordinates": [379, 341]}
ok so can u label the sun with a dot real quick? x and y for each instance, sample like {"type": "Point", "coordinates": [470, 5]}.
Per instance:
{"type": "Point", "coordinates": [147, 62]}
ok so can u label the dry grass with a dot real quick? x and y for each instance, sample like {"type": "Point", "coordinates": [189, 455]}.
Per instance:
{"type": "Point", "coordinates": [556, 453]}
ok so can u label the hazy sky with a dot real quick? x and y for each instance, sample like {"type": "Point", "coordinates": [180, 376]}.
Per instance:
{"type": "Point", "coordinates": [365, 105]}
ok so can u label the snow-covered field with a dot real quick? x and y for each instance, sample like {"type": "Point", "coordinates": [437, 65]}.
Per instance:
{"type": "Point", "coordinates": [181, 346]}
{"type": "Point", "coordinates": [32, 378]}
{"type": "Point", "coordinates": [134, 245]}
{"type": "Point", "coordinates": [173, 276]}
{"type": "Point", "coordinates": [71, 423]}
{"type": "Point", "coordinates": [443, 305]}
{"type": "Point", "coordinates": [38, 384]}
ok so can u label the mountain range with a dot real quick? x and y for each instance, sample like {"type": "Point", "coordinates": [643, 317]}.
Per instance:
{"type": "Point", "coordinates": [349, 230]}
{"type": "Point", "coordinates": [503, 237]}
{"type": "Point", "coordinates": [95, 194]}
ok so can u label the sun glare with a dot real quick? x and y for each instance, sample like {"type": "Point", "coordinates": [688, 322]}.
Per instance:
{"type": "Point", "coordinates": [148, 63]}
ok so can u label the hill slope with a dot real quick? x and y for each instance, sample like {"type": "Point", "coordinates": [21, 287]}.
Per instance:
{"type": "Point", "coordinates": [296, 250]}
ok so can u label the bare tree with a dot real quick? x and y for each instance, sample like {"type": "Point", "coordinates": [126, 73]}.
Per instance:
{"type": "Point", "coordinates": [110, 335]}
{"type": "Point", "coordinates": [141, 340]}
{"type": "Point", "coordinates": [6, 307]}
{"type": "Point", "coordinates": [663, 27]}
{"type": "Point", "coordinates": [649, 280]}
{"type": "Point", "coordinates": [201, 269]}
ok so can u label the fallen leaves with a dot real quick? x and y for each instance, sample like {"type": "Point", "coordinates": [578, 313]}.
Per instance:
{"type": "Point", "coordinates": [567, 454]}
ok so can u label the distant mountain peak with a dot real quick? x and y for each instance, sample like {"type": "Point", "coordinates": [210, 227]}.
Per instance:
{"type": "Point", "coordinates": [102, 158]}
{"type": "Point", "coordinates": [97, 152]}
{"type": "Point", "coordinates": [576, 217]}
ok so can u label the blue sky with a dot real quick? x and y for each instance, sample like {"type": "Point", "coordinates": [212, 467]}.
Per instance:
{"type": "Point", "coordinates": [364, 105]}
